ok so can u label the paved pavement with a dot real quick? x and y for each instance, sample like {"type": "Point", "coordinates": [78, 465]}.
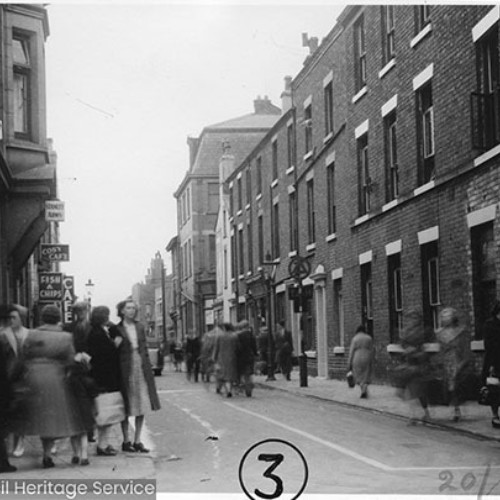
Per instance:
{"type": "Point", "coordinates": [475, 421]}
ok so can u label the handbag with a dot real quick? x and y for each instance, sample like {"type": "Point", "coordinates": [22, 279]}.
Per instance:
{"type": "Point", "coordinates": [350, 379]}
{"type": "Point", "coordinates": [110, 408]}
{"type": "Point", "coordinates": [489, 395]}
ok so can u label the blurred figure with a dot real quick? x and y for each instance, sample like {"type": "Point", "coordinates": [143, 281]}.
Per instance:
{"type": "Point", "coordinates": [138, 382]}
{"type": "Point", "coordinates": [247, 353]}
{"type": "Point", "coordinates": [263, 349]}
{"type": "Point", "coordinates": [361, 358]}
{"type": "Point", "coordinates": [52, 408]}
{"type": "Point", "coordinates": [453, 356]}
{"type": "Point", "coordinates": [14, 336]}
{"type": "Point", "coordinates": [178, 356]}
{"type": "Point", "coordinates": [491, 362]}
{"type": "Point", "coordinates": [5, 396]}
{"type": "Point", "coordinates": [206, 354]}
{"type": "Point", "coordinates": [193, 351]}
{"type": "Point", "coordinates": [80, 329]}
{"type": "Point", "coordinates": [284, 349]}
{"type": "Point", "coordinates": [105, 368]}
{"type": "Point", "coordinates": [224, 354]}
{"type": "Point", "coordinates": [415, 364]}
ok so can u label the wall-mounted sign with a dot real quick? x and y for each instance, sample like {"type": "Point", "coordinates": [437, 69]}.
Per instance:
{"type": "Point", "coordinates": [50, 287]}
{"type": "Point", "coordinates": [68, 298]}
{"type": "Point", "coordinates": [54, 210]}
{"type": "Point", "coordinates": [54, 253]}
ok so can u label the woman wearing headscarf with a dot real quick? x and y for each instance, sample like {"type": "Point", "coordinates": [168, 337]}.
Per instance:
{"type": "Point", "coordinates": [360, 359]}
{"type": "Point", "coordinates": [105, 368]}
{"type": "Point", "coordinates": [139, 390]}
{"type": "Point", "coordinates": [52, 407]}
{"type": "Point", "coordinates": [491, 362]}
{"type": "Point", "coordinates": [453, 355]}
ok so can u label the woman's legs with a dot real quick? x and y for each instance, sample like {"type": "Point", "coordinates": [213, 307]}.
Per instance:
{"type": "Point", "coordinates": [139, 422]}
{"type": "Point", "coordinates": [47, 444]}
{"type": "Point", "coordinates": [125, 428]}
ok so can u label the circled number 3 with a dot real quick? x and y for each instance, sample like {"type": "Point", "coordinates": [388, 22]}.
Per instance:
{"type": "Point", "coordinates": [276, 458]}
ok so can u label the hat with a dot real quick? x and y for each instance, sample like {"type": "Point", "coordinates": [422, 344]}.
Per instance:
{"type": "Point", "coordinates": [80, 306]}
{"type": "Point", "coordinates": [51, 314]}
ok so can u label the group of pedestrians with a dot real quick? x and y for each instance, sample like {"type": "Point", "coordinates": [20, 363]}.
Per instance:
{"type": "Point", "coordinates": [421, 370]}
{"type": "Point", "coordinates": [64, 381]}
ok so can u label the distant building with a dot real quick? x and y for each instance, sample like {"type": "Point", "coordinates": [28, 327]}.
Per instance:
{"type": "Point", "coordinates": [198, 206]}
{"type": "Point", "coordinates": [27, 165]}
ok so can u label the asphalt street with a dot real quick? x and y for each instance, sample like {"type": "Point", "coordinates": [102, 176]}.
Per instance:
{"type": "Point", "coordinates": [200, 439]}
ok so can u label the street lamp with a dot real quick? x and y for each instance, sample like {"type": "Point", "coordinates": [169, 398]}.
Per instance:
{"type": "Point", "coordinates": [89, 289]}
{"type": "Point", "coordinates": [268, 278]}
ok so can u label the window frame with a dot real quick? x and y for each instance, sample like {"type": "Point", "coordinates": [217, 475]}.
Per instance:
{"type": "Point", "coordinates": [328, 102]}
{"type": "Point", "coordinates": [23, 72]}
{"type": "Point", "coordinates": [330, 181]}
{"type": "Point", "coordinates": [391, 156]}
{"type": "Point", "coordinates": [364, 180]}
{"type": "Point", "coordinates": [308, 133]}
{"type": "Point", "coordinates": [360, 54]}
{"type": "Point", "coordinates": [426, 133]}
{"type": "Point", "coordinates": [311, 222]}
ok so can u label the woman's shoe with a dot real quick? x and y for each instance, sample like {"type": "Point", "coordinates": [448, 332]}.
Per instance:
{"type": "Point", "coordinates": [109, 451]}
{"type": "Point", "coordinates": [495, 422]}
{"type": "Point", "coordinates": [84, 461]}
{"type": "Point", "coordinates": [128, 447]}
{"type": "Point", "coordinates": [75, 460]}
{"type": "Point", "coordinates": [140, 448]}
{"type": "Point", "coordinates": [48, 463]}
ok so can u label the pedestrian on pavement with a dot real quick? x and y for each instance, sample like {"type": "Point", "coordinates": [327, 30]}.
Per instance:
{"type": "Point", "coordinates": [491, 361]}
{"type": "Point", "coordinates": [415, 369]}
{"type": "Point", "coordinates": [140, 394]}
{"type": "Point", "coordinates": [105, 369]}
{"type": "Point", "coordinates": [178, 356]}
{"type": "Point", "coordinates": [207, 354]}
{"type": "Point", "coordinates": [52, 408]}
{"type": "Point", "coordinates": [361, 359]}
{"type": "Point", "coordinates": [13, 336]}
{"type": "Point", "coordinates": [193, 351]}
{"type": "Point", "coordinates": [80, 329]}
{"type": "Point", "coordinates": [246, 355]}
{"type": "Point", "coordinates": [263, 349]}
{"type": "Point", "coordinates": [5, 395]}
{"type": "Point", "coordinates": [225, 352]}
{"type": "Point", "coordinates": [284, 349]}
{"type": "Point", "coordinates": [454, 359]}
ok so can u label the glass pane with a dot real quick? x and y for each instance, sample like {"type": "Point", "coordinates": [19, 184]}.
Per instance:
{"type": "Point", "coordinates": [433, 281]}
{"type": "Point", "coordinates": [20, 103]}
{"type": "Point", "coordinates": [20, 53]}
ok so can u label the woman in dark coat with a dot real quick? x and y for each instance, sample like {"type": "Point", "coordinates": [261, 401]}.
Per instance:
{"type": "Point", "coordinates": [139, 393]}
{"type": "Point", "coordinates": [105, 368]}
{"type": "Point", "coordinates": [491, 362]}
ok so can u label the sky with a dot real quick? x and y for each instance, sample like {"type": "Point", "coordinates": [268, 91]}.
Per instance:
{"type": "Point", "coordinates": [127, 83]}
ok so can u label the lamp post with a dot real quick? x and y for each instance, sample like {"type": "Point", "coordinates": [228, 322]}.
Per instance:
{"type": "Point", "coordinates": [89, 289]}
{"type": "Point", "coordinates": [268, 278]}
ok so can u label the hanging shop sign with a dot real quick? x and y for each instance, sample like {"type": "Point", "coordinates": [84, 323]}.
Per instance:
{"type": "Point", "coordinates": [54, 253]}
{"type": "Point", "coordinates": [54, 211]}
{"type": "Point", "coordinates": [50, 287]}
{"type": "Point", "coordinates": [68, 298]}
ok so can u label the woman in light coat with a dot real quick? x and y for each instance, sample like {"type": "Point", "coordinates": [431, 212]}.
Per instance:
{"type": "Point", "coordinates": [139, 389]}
{"type": "Point", "coordinates": [52, 407]}
{"type": "Point", "coordinates": [360, 359]}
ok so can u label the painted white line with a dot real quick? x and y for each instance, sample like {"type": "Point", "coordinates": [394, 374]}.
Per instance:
{"type": "Point", "coordinates": [341, 449]}
{"type": "Point", "coordinates": [350, 453]}
{"type": "Point", "coordinates": [210, 429]}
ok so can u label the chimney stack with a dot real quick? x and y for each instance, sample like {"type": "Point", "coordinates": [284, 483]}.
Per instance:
{"type": "Point", "coordinates": [263, 106]}
{"type": "Point", "coordinates": [286, 95]}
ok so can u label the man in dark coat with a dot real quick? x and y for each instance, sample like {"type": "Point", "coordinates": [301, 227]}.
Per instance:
{"type": "Point", "coordinates": [246, 355]}
{"type": "Point", "coordinates": [193, 351]}
{"type": "Point", "coordinates": [5, 398]}
{"type": "Point", "coordinates": [491, 363]}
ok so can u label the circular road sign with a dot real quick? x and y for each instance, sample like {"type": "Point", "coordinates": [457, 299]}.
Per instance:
{"type": "Point", "coordinates": [299, 268]}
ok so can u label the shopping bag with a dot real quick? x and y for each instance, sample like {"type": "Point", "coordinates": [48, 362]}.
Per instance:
{"type": "Point", "coordinates": [110, 408]}
{"type": "Point", "coordinates": [350, 379]}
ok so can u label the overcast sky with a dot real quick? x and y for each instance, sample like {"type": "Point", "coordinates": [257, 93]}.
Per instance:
{"type": "Point", "coordinates": [127, 83]}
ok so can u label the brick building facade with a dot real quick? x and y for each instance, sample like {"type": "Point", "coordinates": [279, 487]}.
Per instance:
{"type": "Point", "coordinates": [392, 152]}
